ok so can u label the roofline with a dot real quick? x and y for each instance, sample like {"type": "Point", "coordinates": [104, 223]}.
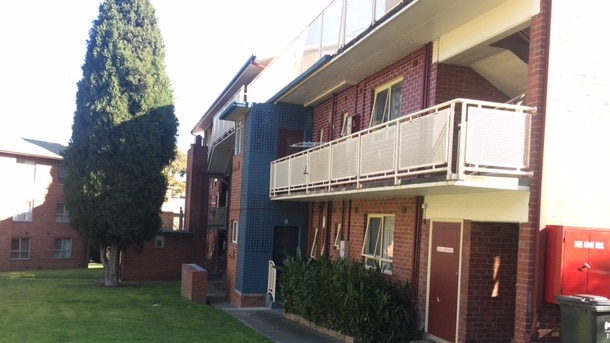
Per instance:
{"type": "Point", "coordinates": [251, 61]}
{"type": "Point", "coordinates": [18, 153]}
{"type": "Point", "coordinates": [307, 73]}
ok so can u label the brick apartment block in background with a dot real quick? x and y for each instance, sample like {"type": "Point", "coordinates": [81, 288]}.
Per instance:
{"type": "Point", "coordinates": [35, 231]}
{"type": "Point", "coordinates": [461, 145]}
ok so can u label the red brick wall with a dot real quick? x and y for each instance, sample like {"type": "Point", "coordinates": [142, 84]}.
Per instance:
{"type": "Point", "coordinates": [491, 258]}
{"type": "Point", "coordinates": [194, 283]}
{"type": "Point", "coordinates": [530, 309]}
{"type": "Point", "coordinates": [353, 218]}
{"type": "Point", "coordinates": [43, 229]}
{"type": "Point", "coordinates": [159, 263]}
{"type": "Point", "coordinates": [196, 187]}
{"type": "Point", "coordinates": [234, 212]}
{"type": "Point", "coordinates": [452, 81]}
{"type": "Point", "coordinates": [358, 100]}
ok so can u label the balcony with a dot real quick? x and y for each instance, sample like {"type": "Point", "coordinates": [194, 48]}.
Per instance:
{"type": "Point", "coordinates": [223, 139]}
{"type": "Point", "coordinates": [460, 146]}
{"type": "Point", "coordinates": [217, 218]}
{"type": "Point", "coordinates": [339, 24]}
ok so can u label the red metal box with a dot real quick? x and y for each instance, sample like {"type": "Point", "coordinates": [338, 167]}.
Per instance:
{"type": "Point", "coordinates": [577, 262]}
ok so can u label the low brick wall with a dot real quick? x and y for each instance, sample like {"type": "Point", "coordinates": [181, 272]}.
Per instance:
{"type": "Point", "coordinates": [194, 285]}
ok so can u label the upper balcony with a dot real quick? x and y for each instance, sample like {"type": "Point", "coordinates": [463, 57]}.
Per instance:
{"type": "Point", "coordinates": [460, 146]}
{"type": "Point", "coordinates": [352, 39]}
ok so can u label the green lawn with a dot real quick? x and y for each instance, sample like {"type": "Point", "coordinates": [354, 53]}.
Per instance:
{"type": "Point", "coordinates": [74, 306]}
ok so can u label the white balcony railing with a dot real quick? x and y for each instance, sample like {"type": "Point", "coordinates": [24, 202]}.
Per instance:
{"type": "Point", "coordinates": [450, 140]}
{"type": "Point", "coordinates": [222, 128]}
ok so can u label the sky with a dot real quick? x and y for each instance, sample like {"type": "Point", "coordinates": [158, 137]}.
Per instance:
{"type": "Point", "coordinates": [43, 44]}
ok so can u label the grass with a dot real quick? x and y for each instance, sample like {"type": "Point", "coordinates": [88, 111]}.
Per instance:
{"type": "Point", "coordinates": [74, 306]}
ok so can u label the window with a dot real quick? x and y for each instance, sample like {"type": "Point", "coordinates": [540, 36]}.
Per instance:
{"type": "Point", "coordinates": [239, 131]}
{"type": "Point", "coordinates": [61, 174]}
{"type": "Point", "coordinates": [20, 248]}
{"type": "Point", "coordinates": [386, 106]}
{"type": "Point", "coordinates": [159, 241]}
{"type": "Point", "coordinates": [234, 232]}
{"type": "Point", "coordinates": [338, 236]}
{"type": "Point", "coordinates": [24, 211]}
{"type": "Point", "coordinates": [61, 214]}
{"type": "Point", "coordinates": [314, 245]}
{"type": "Point", "coordinates": [63, 248]}
{"type": "Point", "coordinates": [346, 127]}
{"type": "Point", "coordinates": [378, 247]}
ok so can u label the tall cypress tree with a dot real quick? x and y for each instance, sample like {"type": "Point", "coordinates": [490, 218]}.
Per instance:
{"type": "Point", "coordinates": [123, 134]}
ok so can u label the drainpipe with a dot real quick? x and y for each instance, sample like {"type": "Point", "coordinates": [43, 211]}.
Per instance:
{"type": "Point", "coordinates": [349, 221]}
{"type": "Point", "coordinates": [419, 219]}
{"type": "Point", "coordinates": [329, 214]}
{"type": "Point", "coordinates": [426, 76]}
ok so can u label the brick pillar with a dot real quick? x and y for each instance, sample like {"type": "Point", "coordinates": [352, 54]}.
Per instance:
{"type": "Point", "coordinates": [196, 202]}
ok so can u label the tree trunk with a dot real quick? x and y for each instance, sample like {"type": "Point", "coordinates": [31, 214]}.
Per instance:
{"type": "Point", "coordinates": [110, 259]}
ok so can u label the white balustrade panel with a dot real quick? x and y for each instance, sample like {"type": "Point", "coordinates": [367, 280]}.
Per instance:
{"type": "Point", "coordinates": [424, 141]}
{"type": "Point", "coordinates": [497, 138]}
{"type": "Point", "coordinates": [281, 174]}
{"type": "Point", "coordinates": [345, 159]}
{"type": "Point", "coordinates": [318, 167]}
{"type": "Point", "coordinates": [298, 171]}
{"type": "Point", "coordinates": [378, 151]}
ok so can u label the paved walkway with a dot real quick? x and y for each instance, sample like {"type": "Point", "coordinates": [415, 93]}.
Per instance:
{"type": "Point", "coordinates": [268, 322]}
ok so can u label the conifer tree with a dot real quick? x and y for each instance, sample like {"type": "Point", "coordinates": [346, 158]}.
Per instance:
{"type": "Point", "coordinates": [123, 133]}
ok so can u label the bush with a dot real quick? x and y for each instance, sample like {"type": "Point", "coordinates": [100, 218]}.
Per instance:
{"type": "Point", "coordinates": [349, 298]}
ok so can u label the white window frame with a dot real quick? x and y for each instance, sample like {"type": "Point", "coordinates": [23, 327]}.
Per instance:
{"type": "Point", "coordinates": [159, 241]}
{"type": "Point", "coordinates": [61, 174]}
{"type": "Point", "coordinates": [23, 249]}
{"type": "Point", "coordinates": [63, 249]}
{"type": "Point", "coordinates": [382, 253]}
{"type": "Point", "coordinates": [338, 236]}
{"type": "Point", "coordinates": [384, 109]}
{"type": "Point", "coordinates": [235, 231]}
{"type": "Point", "coordinates": [314, 245]}
{"type": "Point", "coordinates": [346, 127]}
{"type": "Point", "coordinates": [25, 212]}
{"type": "Point", "coordinates": [61, 216]}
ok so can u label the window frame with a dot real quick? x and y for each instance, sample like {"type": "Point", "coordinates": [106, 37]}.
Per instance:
{"type": "Point", "coordinates": [338, 236]}
{"type": "Point", "coordinates": [65, 250]}
{"type": "Point", "coordinates": [159, 241]}
{"type": "Point", "coordinates": [377, 258]}
{"type": "Point", "coordinates": [314, 245]}
{"type": "Point", "coordinates": [346, 126]}
{"type": "Point", "coordinates": [21, 250]}
{"type": "Point", "coordinates": [62, 217]}
{"type": "Point", "coordinates": [62, 171]}
{"type": "Point", "coordinates": [235, 232]}
{"type": "Point", "coordinates": [27, 215]}
{"type": "Point", "coordinates": [388, 111]}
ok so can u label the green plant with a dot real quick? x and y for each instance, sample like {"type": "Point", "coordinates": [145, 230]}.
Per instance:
{"type": "Point", "coordinates": [350, 298]}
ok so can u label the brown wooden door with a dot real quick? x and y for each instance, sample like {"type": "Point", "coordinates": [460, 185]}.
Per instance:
{"type": "Point", "coordinates": [444, 278]}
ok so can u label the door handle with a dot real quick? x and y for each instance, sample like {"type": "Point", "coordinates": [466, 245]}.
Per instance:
{"type": "Point", "coordinates": [584, 266]}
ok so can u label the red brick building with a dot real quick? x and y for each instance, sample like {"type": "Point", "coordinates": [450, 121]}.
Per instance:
{"type": "Point", "coordinates": [35, 231]}
{"type": "Point", "coordinates": [457, 145]}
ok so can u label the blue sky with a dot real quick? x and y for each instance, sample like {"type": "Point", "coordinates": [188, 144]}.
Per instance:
{"type": "Point", "coordinates": [43, 47]}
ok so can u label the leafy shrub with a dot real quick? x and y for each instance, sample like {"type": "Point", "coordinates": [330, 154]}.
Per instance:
{"type": "Point", "coordinates": [349, 298]}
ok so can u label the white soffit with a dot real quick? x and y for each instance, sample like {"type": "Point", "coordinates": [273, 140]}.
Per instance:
{"type": "Point", "coordinates": [502, 21]}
